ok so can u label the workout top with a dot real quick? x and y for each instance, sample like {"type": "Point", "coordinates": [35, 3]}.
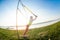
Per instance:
{"type": "Point", "coordinates": [30, 21]}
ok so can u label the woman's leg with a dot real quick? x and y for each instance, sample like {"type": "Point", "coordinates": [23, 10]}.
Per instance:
{"type": "Point", "coordinates": [27, 27]}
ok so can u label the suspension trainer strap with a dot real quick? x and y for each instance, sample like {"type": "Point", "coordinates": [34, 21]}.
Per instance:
{"type": "Point", "coordinates": [21, 13]}
{"type": "Point", "coordinates": [25, 7]}
{"type": "Point", "coordinates": [19, 9]}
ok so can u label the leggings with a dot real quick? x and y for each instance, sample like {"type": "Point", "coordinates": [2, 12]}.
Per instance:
{"type": "Point", "coordinates": [27, 27]}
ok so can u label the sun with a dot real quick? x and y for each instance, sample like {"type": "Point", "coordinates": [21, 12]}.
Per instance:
{"type": "Point", "coordinates": [21, 20]}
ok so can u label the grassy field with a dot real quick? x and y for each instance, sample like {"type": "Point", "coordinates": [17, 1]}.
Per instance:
{"type": "Point", "coordinates": [51, 32]}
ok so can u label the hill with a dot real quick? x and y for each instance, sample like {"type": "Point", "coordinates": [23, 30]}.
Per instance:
{"type": "Point", "coordinates": [51, 32]}
{"type": "Point", "coordinates": [44, 33]}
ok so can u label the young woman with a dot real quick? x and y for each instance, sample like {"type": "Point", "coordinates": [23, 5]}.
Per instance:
{"type": "Point", "coordinates": [29, 24]}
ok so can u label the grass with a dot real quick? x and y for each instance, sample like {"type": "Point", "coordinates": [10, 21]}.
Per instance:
{"type": "Point", "coordinates": [51, 32]}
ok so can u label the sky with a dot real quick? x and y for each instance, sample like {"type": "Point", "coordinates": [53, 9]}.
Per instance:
{"type": "Point", "coordinates": [45, 10]}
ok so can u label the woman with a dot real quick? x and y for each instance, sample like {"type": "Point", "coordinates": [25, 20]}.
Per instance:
{"type": "Point", "coordinates": [29, 24]}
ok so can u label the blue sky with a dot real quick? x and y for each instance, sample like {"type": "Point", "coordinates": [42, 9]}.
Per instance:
{"type": "Point", "coordinates": [44, 9]}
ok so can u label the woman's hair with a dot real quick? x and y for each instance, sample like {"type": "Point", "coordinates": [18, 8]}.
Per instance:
{"type": "Point", "coordinates": [31, 16]}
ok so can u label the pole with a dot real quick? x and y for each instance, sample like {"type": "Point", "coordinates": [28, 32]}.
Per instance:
{"type": "Point", "coordinates": [17, 21]}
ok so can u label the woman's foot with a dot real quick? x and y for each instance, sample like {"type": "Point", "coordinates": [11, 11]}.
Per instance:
{"type": "Point", "coordinates": [25, 35]}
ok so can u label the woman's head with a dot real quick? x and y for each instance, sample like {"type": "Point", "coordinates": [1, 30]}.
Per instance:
{"type": "Point", "coordinates": [31, 17]}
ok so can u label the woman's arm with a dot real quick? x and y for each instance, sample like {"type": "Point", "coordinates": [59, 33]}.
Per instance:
{"type": "Point", "coordinates": [35, 18]}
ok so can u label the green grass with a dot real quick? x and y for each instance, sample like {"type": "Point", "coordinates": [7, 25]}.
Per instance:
{"type": "Point", "coordinates": [43, 33]}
